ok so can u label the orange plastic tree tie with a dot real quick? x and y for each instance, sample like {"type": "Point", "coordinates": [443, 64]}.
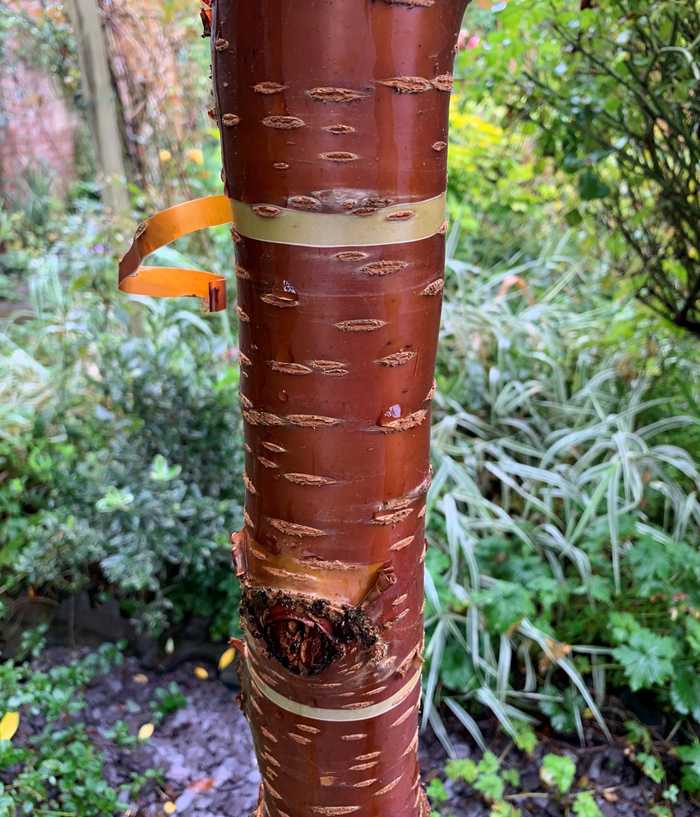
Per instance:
{"type": "Point", "coordinates": [173, 282]}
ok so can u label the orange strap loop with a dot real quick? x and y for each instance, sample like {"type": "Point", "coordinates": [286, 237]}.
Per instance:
{"type": "Point", "coordinates": [161, 229]}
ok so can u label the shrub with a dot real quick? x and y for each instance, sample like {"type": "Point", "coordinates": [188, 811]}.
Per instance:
{"type": "Point", "coordinates": [120, 445]}
{"type": "Point", "coordinates": [612, 94]}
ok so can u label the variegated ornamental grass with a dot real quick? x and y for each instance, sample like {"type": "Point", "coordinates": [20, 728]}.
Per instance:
{"type": "Point", "coordinates": [557, 485]}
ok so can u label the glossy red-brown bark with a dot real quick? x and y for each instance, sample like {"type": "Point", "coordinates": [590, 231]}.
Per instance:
{"type": "Point", "coordinates": [335, 107]}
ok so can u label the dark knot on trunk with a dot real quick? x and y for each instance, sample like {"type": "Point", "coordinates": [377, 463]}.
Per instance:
{"type": "Point", "coordinates": [306, 634]}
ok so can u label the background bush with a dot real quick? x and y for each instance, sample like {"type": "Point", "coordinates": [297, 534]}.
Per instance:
{"type": "Point", "coordinates": [120, 446]}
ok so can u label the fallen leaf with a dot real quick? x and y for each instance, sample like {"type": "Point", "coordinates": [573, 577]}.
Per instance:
{"type": "Point", "coordinates": [201, 673]}
{"type": "Point", "coordinates": [9, 724]}
{"type": "Point", "coordinates": [610, 796]}
{"type": "Point", "coordinates": [226, 658]}
{"type": "Point", "coordinates": [146, 731]}
{"type": "Point", "coordinates": [558, 649]}
{"type": "Point", "coordinates": [204, 784]}
{"type": "Point", "coordinates": [169, 807]}
{"type": "Point", "coordinates": [140, 678]}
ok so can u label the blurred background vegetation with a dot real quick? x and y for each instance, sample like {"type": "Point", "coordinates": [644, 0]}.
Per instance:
{"type": "Point", "coordinates": [563, 581]}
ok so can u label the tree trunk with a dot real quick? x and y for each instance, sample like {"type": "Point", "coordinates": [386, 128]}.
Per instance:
{"type": "Point", "coordinates": [333, 117]}
{"type": "Point", "coordinates": [100, 99]}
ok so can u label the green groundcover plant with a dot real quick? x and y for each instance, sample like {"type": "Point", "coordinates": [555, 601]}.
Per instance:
{"type": "Point", "coordinates": [499, 785]}
{"type": "Point", "coordinates": [48, 764]}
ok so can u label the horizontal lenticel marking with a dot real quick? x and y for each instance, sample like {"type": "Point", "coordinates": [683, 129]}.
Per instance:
{"type": "Point", "coordinates": [329, 94]}
{"type": "Point", "coordinates": [396, 359]}
{"type": "Point", "coordinates": [283, 122]}
{"type": "Point", "coordinates": [444, 82]}
{"type": "Point", "coordinates": [311, 480]}
{"type": "Point", "coordinates": [412, 420]}
{"type": "Point", "coordinates": [434, 287]}
{"type": "Point", "coordinates": [266, 210]}
{"type": "Point", "coordinates": [386, 267]}
{"type": "Point", "coordinates": [339, 156]}
{"type": "Point", "coordinates": [360, 325]}
{"type": "Point", "coordinates": [407, 85]}
{"type": "Point", "coordinates": [339, 129]}
{"type": "Point", "coordinates": [269, 88]}
{"type": "Point", "coordinates": [289, 368]}
{"type": "Point", "coordinates": [293, 528]}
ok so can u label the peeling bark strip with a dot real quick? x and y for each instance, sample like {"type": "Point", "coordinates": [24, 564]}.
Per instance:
{"type": "Point", "coordinates": [339, 241]}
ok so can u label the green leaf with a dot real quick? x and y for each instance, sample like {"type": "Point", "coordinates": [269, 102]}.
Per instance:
{"type": "Point", "coordinates": [558, 772]}
{"type": "Point", "coordinates": [638, 734]}
{"type": "Point", "coordinates": [462, 769]}
{"type": "Point", "coordinates": [690, 776]}
{"type": "Point", "coordinates": [573, 218]}
{"type": "Point", "coordinates": [115, 500]}
{"type": "Point", "coordinates": [692, 635]}
{"type": "Point", "coordinates": [436, 791]}
{"type": "Point", "coordinates": [502, 809]}
{"type": "Point", "coordinates": [648, 659]}
{"type": "Point", "coordinates": [591, 186]}
{"type": "Point", "coordinates": [489, 763]}
{"type": "Point", "coordinates": [562, 713]}
{"type": "Point", "coordinates": [161, 471]}
{"type": "Point", "coordinates": [622, 625]}
{"type": "Point", "coordinates": [671, 793]}
{"type": "Point", "coordinates": [455, 667]}
{"type": "Point", "coordinates": [511, 777]}
{"type": "Point", "coordinates": [685, 692]}
{"type": "Point", "coordinates": [525, 738]}
{"type": "Point", "coordinates": [490, 785]}
{"type": "Point", "coordinates": [504, 604]}
{"type": "Point", "coordinates": [650, 564]}
{"type": "Point", "coordinates": [586, 806]}
{"type": "Point", "coordinates": [651, 766]}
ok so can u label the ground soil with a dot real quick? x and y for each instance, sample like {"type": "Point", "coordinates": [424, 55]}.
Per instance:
{"type": "Point", "coordinates": [206, 756]}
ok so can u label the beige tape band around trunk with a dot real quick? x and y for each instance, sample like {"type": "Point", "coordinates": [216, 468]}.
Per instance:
{"type": "Point", "coordinates": [334, 715]}
{"type": "Point", "coordinates": [398, 224]}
